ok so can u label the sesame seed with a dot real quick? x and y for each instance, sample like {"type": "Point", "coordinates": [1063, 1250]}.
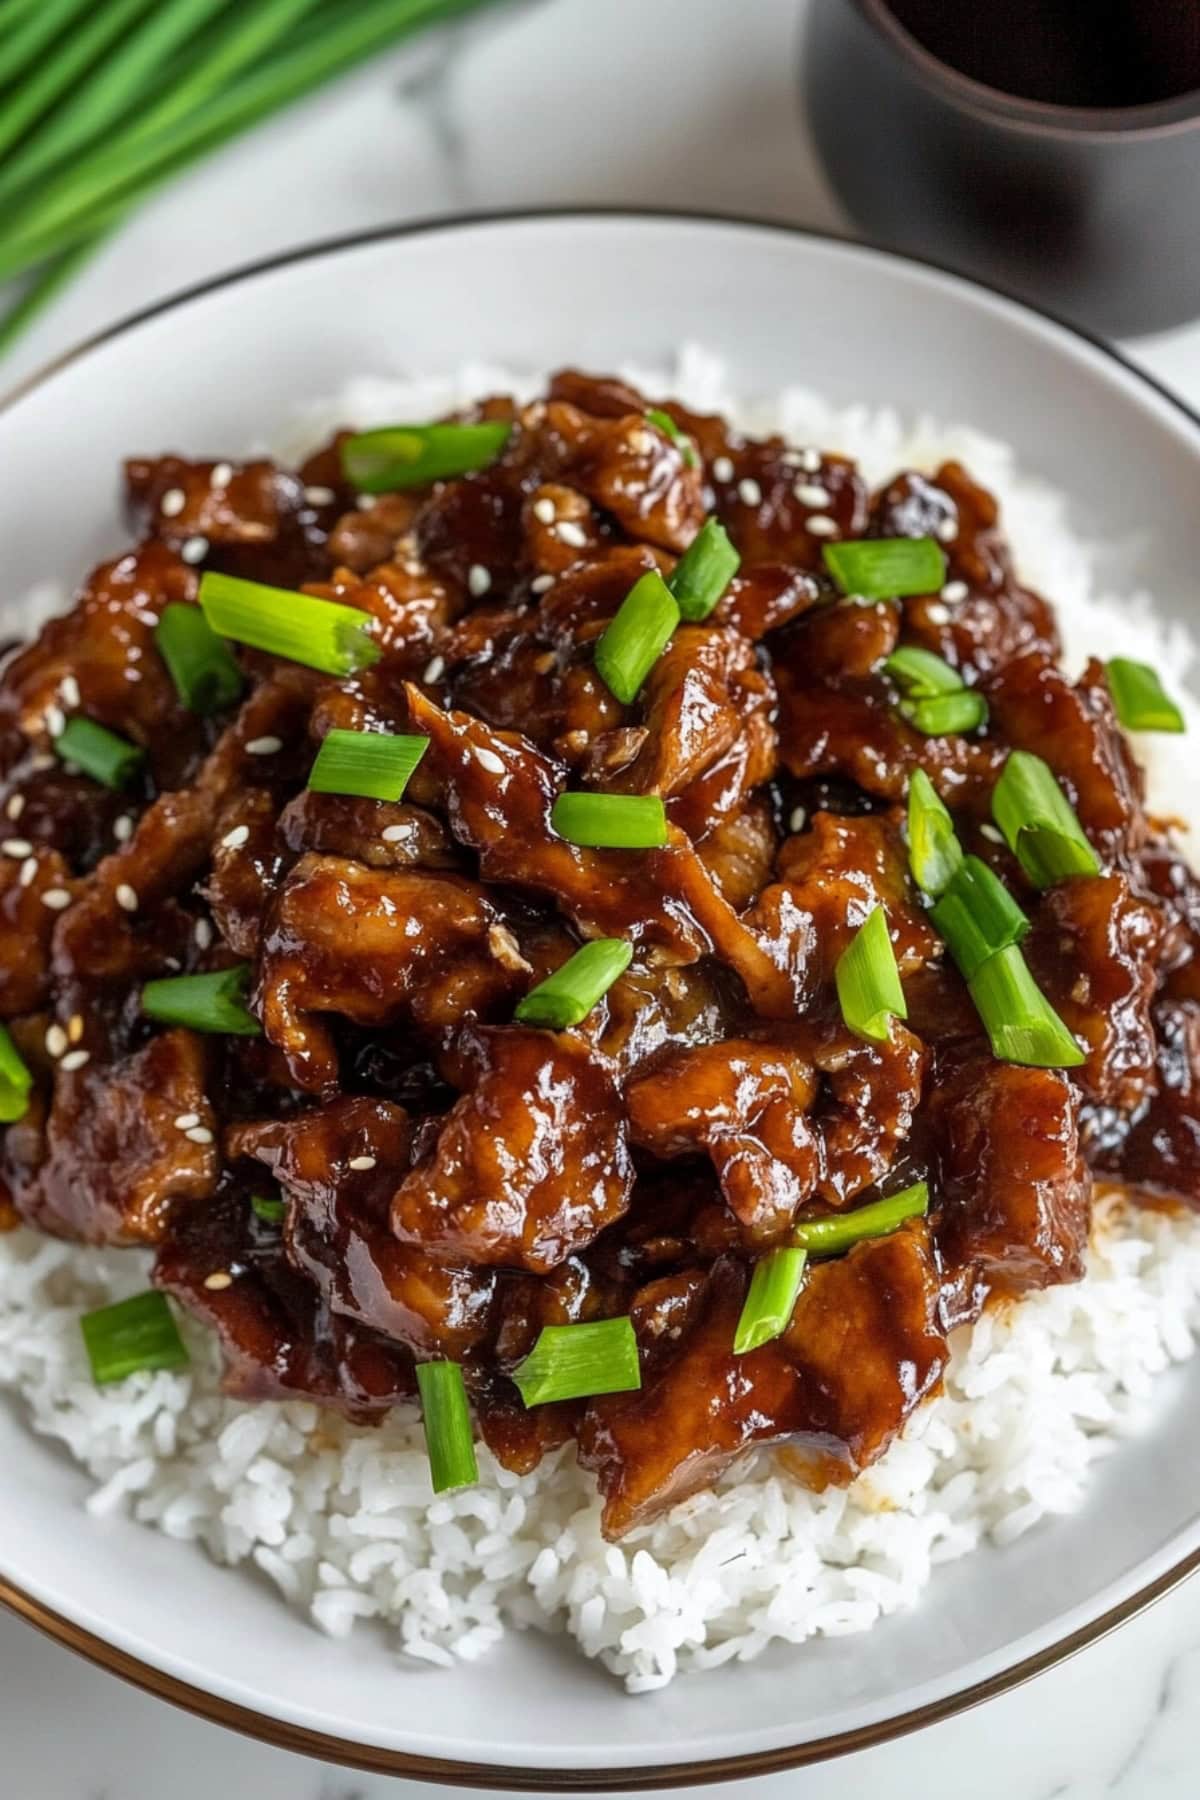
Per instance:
{"type": "Point", "coordinates": [435, 668]}
{"type": "Point", "coordinates": [992, 834]}
{"type": "Point", "coordinates": [798, 819]}
{"type": "Point", "coordinates": [722, 469]}
{"type": "Point", "coordinates": [810, 460]}
{"type": "Point", "coordinates": [203, 933]}
{"type": "Point", "coordinates": [937, 614]}
{"type": "Point", "coordinates": [56, 899]}
{"type": "Point", "coordinates": [948, 530]}
{"type": "Point", "coordinates": [222, 475]}
{"type": "Point", "coordinates": [233, 840]}
{"type": "Point", "coordinates": [320, 496]}
{"type": "Point", "coordinates": [396, 834]}
{"type": "Point", "coordinates": [571, 533]}
{"type": "Point", "coordinates": [56, 1041]}
{"type": "Point", "coordinates": [541, 584]}
{"type": "Point", "coordinates": [75, 1027]}
{"type": "Point", "coordinates": [75, 1059]}
{"type": "Point", "coordinates": [955, 590]}
{"type": "Point", "coordinates": [185, 1121]}
{"type": "Point", "coordinates": [821, 525]}
{"type": "Point", "coordinates": [808, 494]}
{"type": "Point", "coordinates": [479, 580]}
{"type": "Point", "coordinates": [264, 746]}
{"type": "Point", "coordinates": [55, 719]}
{"type": "Point", "coordinates": [366, 502]}
{"type": "Point", "coordinates": [126, 897]}
{"type": "Point", "coordinates": [15, 806]}
{"type": "Point", "coordinates": [41, 762]}
{"type": "Point", "coordinates": [487, 759]}
{"type": "Point", "coordinates": [198, 1134]}
{"type": "Point", "coordinates": [17, 847]}
{"type": "Point", "coordinates": [194, 549]}
{"type": "Point", "coordinates": [220, 1278]}
{"type": "Point", "coordinates": [544, 510]}
{"type": "Point", "coordinates": [172, 503]}
{"type": "Point", "coordinates": [68, 689]}
{"type": "Point", "coordinates": [361, 1162]}
{"type": "Point", "coordinates": [146, 617]}
{"type": "Point", "coordinates": [749, 492]}
{"type": "Point", "coordinates": [29, 869]}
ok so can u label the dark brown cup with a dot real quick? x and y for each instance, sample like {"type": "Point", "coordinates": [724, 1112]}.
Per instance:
{"type": "Point", "coordinates": [1090, 211]}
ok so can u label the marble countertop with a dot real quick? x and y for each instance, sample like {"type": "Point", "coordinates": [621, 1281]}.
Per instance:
{"type": "Point", "coordinates": [658, 102]}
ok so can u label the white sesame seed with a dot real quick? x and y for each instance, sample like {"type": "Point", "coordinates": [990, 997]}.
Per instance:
{"type": "Point", "coordinates": [366, 502]}
{"type": "Point", "coordinates": [749, 492]}
{"type": "Point", "coordinates": [17, 847]}
{"type": "Point", "coordinates": [56, 1041]}
{"type": "Point", "coordinates": [41, 762]}
{"type": "Point", "coordinates": [14, 806]}
{"type": "Point", "coordinates": [792, 459]}
{"type": "Point", "coordinates": [56, 899]}
{"type": "Point", "coordinates": [202, 931]}
{"type": "Point", "coordinates": [199, 1134]}
{"type": "Point", "coordinates": [798, 819]}
{"type": "Point", "coordinates": [172, 503]}
{"type": "Point", "coordinates": [992, 834]}
{"type": "Point", "coordinates": [185, 1121]}
{"type": "Point", "coordinates": [541, 584]}
{"type": "Point", "coordinates": [68, 689]}
{"type": "Point", "coordinates": [544, 511]}
{"type": "Point", "coordinates": [937, 614]}
{"type": "Point", "coordinates": [396, 834]}
{"type": "Point", "coordinates": [487, 759]}
{"type": "Point", "coordinates": [570, 533]}
{"type": "Point", "coordinates": [361, 1162]}
{"type": "Point", "coordinates": [948, 530]}
{"type": "Point", "coordinates": [722, 469]}
{"type": "Point", "coordinates": [479, 580]}
{"type": "Point", "coordinates": [320, 496]}
{"type": "Point", "coordinates": [955, 590]}
{"type": "Point", "coordinates": [75, 1059]}
{"type": "Point", "coordinates": [123, 828]}
{"type": "Point", "coordinates": [222, 475]}
{"type": "Point", "coordinates": [808, 494]}
{"type": "Point", "coordinates": [233, 840]}
{"type": "Point", "coordinates": [55, 720]}
{"type": "Point", "coordinates": [29, 869]}
{"type": "Point", "coordinates": [219, 1279]}
{"type": "Point", "coordinates": [435, 668]}
{"type": "Point", "coordinates": [810, 460]}
{"type": "Point", "coordinates": [264, 746]}
{"type": "Point", "coordinates": [194, 549]}
{"type": "Point", "coordinates": [126, 897]}
{"type": "Point", "coordinates": [146, 617]}
{"type": "Point", "coordinates": [821, 525]}
{"type": "Point", "coordinates": [75, 1027]}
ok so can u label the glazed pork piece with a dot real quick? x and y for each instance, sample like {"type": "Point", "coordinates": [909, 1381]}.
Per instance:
{"type": "Point", "coordinates": [312, 1043]}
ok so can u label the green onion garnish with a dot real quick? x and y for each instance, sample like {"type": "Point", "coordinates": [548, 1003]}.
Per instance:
{"type": "Point", "coordinates": [920, 674]}
{"type": "Point", "coordinates": [270, 1211]}
{"type": "Point", "coordinates": [100, 753]}
{"type": "Point", "coordinates": [1020, 1022]}
{"type": "Point", "coordinates": [704, 571]}
{"type": "Point", "coordinates": [1039, 822]}
{"type": "Point", "coordinates": [447, 1419]}
{"type": "Point", "coordinates": [375, 764]}
{"type": "Point", "coordinates": [570, 1362]}
{"type": "Point", "coordinates": [15, 1081]}
{"type": "Point", "coordinates": [611, 821]}
{"type": "Point", "coordinates": [138, 1333]}
{"type": "Point", "coordinates": [1139, 698]}
{"type": "Point", "coordinates": [322, 634]}
{"type": "Point", "coordinates": [206, 676]}
{"type": "Point", "coordinates": [868, 981]}
{"type": "Point", "coordinates": [214, 1002]}
{"type": "Point", "coordinates": [946, 713]}
{"type": "Point", "coordinates": [411, 456]}
{"type": "Point", "coordinates": [886, 568]}
{"type": "Point", "coordinates": [568, 996]}
{"type": "Point", "coordinates": [977, 916]}
{"type": "Point", "coordinates": [934, 851]}
{"type": "Point", "coordinates": [826, 1237]}
{"type": "Point", "coordinates": [635, 639]}
{"type": "Point", "coordinates": [666, 424]}
{"type": "Point", "coordinates": [770, 1299]}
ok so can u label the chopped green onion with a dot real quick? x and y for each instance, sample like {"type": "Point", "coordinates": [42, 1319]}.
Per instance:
{"type": "Point", "coordinates": [411, 456]}
{"type": "Point", "coordinates": [1020, 1022]}
{"type": "Point", "coordinates": [947, 713]}
{"type": "Point", "coordinates": [1139, 698]}
{"type": "Point", "coordinates": [827, 1237]}
{"type": "Point", "coordinates": [934, 851]}
{"type": "Point", "coordinates": [568, 996]}
{"type": "Point", "coordinates": [611, 821]}
{"type": "Point", "coordinates": [270, 1211]}
{"type": "Point", "coordinates": [202, 666]}
{"type": "Point", "coordinates": [100, 753]}
{"type": "Point", "coordinates": [635, 639]}
{"type": "Point", "coordinates": [214, 1002]}
{"type": "Point", "coordinates": [571, 1362]}
{"type": "Point", "coordinates": [322, 634]}
{"type": "Point", "coordinates": [886, 568]}
{"type": "Point", "coordinates": [447, 1419]}
{"type": "Point", "coordinates": [1039, 822]}
{"type": "Point", "coordinates": [977, 916]}
{"type": "Point", "coordinates": [704, 571]}
{"type": "Point", "coordinates": [134, 1334]}
{"type": "Point", "coordinates": [921, 674]}
{"type": "Point", "coordinates": [770, 1300]}
{"type": "Point", "coordinates": [666, 424]}
{"type": "Point", "coordinates": [374, 764]}
{"type": "Point", "coordinates": [868, 981]}
{"type": "Point", "coordinates": [15, 1081]}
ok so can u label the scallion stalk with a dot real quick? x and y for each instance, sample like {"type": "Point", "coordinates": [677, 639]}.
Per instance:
{"type": "Point", "coordinates": [111, 760]}
{"type": "Point", "coordinates": [1021, 1024]}
{"type": "Point", "coordinates": [131, 1336]}
{"type": "Point", "coordinates": [321, 634]}
{"type": "Point", "coordinates": [635, 639]}
{"type": "Point", "coordinates": [15, 1081]}
{"type": "Point", "coordinates": [868, 981]}
{"type": "Point", "coordinates": [213, 1003]}
{"type": "Point", "coordinates": [886, 568]}
{"type": "Point", "coordinates": [1138, 696]}
{"type": "Point", "coordinates": [832, 1235]}
{"type": "Point", "coordinates": [572, 1362]}
{"type": "Point", "coordinates": [934, 851]}
{"type": "Point", "coordinates": [201, 665]}
{"type": "Point", "coordinates": [770, 1299]}
{"type": "Point", "coordinates": [412, 456]}
{"type": "Point", "coordinates": [568, 996]}
{"type": "Point", "coordinates": [1039, 823]}
{"type": "Point", "coordinates": [704, 571]}
{"type": "Point", "coordinates": [447, 1419]}
{"type": "Point", "coordinates": [377, 765]}
{"type": "Point", "coordinates": [611, 821]}
{"type": "Point", "coordinates": [977, 916]}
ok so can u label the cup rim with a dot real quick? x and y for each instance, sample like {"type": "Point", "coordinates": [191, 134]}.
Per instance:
{"type": "Point", "coordinates": [1154, 118]}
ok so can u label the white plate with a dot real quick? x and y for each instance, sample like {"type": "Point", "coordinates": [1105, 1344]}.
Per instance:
{"type": "Point", "coordinates": [211, 373]}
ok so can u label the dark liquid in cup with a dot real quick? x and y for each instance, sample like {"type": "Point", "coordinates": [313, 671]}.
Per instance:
{"type": "Point", "coordinates": [1106, 53]}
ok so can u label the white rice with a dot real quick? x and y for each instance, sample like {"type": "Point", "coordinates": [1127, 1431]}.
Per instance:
{"type": "Point", "coordinates": [340, 1517]}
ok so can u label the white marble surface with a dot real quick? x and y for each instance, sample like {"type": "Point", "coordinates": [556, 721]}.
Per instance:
{"type": "Point", "coordinates": [663, 102]}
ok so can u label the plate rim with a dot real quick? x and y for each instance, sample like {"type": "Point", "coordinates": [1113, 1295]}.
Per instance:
{"type": "Point", "coordinates": [305, 1740]}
